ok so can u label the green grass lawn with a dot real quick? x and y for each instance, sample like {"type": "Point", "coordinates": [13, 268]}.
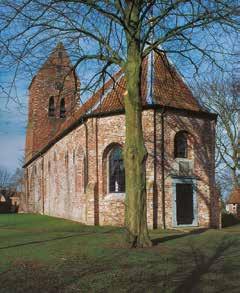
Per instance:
{"type": "Point", "coordinates": [44, 254]}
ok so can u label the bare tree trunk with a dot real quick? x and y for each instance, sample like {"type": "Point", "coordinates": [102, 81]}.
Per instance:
{"type": "Point", "coordinates": [135, 153]}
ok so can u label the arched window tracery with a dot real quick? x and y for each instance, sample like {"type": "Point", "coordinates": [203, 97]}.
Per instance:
{"type": "Point", "coordinates": [181, 145]}
{"type": "Point", "coordinates": [116, 171]}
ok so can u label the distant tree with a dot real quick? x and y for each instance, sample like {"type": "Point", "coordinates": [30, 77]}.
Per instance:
{"type": "Point", "coordinates": [120, 34]}
{"type": "Point", "coordinates": [222, 96]}
{"type": "Point", "coordinates": [5, 183]}
{"type": "Point", "coordinates": [17, 180]}
{"type": "Point", "coordinates": [17, 185]}
{"type": "Point", "coordinates": [5, 177]}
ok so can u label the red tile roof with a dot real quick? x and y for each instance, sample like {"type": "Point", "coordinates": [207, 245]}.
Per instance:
{"type": "Point", "coordinates": [168, 89]}
{"type": "Point", "coordinates": [165, 84]}
{"type": "Point", "coordinates": [235, 196]}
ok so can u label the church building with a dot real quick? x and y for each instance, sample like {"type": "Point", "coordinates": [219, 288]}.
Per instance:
{"type": "Point", "coordinates": [74, 162]}
{"type": "Point", "coordinates": [233, 202]}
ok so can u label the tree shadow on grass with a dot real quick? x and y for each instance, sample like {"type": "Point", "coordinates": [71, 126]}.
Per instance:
{"type": "Point", "coordinates": [156, 241]}
{"type": "Point", "coordinates": [203, 264]}
{"type": "Point", "coordinates": [55, 239]}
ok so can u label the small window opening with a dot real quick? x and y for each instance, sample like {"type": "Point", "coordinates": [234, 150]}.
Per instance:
{"type": "Point", "coordinates": [59, 86]}
{"type": "Point", "coordinates": [60, 54]}
{"type": "Point", "coordinates": [59, 68]}
{"type": "Point", "coordinates": [62, 109]}
{"type": "Point", "coordinates": [51, 107]}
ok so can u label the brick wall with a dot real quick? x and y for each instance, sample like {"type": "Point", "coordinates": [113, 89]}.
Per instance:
{"type": "Point", "coordinates": [70, 179]}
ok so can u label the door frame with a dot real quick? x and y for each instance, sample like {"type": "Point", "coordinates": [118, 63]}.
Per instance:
{"type": "Point", "coordinates": [193, 182]}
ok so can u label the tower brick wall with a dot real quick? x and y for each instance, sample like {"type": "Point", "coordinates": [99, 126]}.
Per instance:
{"type": "Point", "coordinates": [56, 79]}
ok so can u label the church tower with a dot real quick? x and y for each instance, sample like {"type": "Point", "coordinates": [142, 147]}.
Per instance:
{"type": "Point", "coordinates": [53, 97]}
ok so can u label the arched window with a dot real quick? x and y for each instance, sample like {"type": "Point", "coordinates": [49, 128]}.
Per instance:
{"type": "Point", "coordinates": [181, 145]}
{"type": "Point", "coordinates": [62, 108]}
{"type": "Point", "coordinates": [51, 107]}
{"type": "Point", "coordinates": [116, 171]}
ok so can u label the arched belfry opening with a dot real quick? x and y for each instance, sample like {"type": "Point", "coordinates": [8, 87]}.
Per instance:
{"type": "Point", "coordinates": [51, 107]}
{"type": "Point", "coordinates": [62, 108]}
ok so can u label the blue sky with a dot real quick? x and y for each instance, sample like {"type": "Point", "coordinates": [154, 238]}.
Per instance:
{"type": "Point", "coordinates": [12, 124]}
{"type": "Point", "coordinates": [13, 117]}
{"type": "Point", "coordinates": [12, 136]}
